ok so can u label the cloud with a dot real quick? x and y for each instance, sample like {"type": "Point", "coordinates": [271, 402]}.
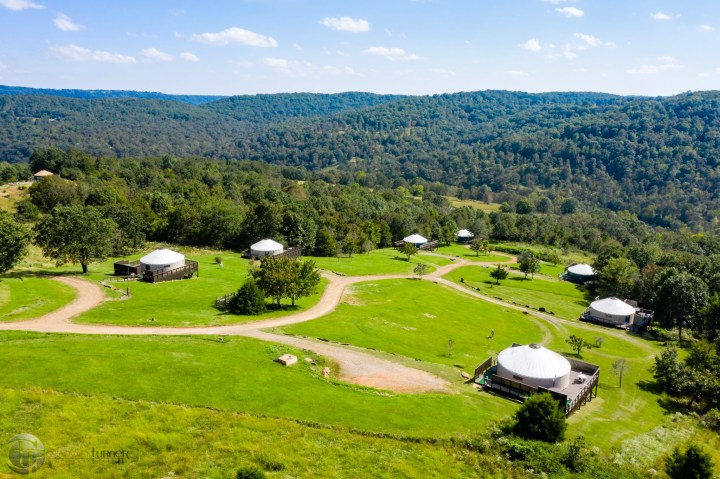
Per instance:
{"type": "Point", "coordinates": [662, 16]}
{"type": "Point", "coordinates": [346, 24]}
{"type": "Point", "coordinates": [556, 2]}
{"type": "Point", "coordinates": [591, 41]}
{"type": "Point", "coordinates": [664, 64]}
{"type": "Point", "coordinates": [570, 12]}
{"type": "Point", "coordinates": [297, 47]}
{"type": "Point", "coordinates": [391, 53]}
{"type": "Point", "coordinates": [532, 45]}
{"type": "Point", "coordinates": [189, 57]}
{"type": "Point", "coordinates": [279, 63]}
{"type": "Point", "coordinates": [706, 28]}
{"type": "Point", "coordinates": [236, 35]}
{"type": "Point", "coordinates": [18, 5]}
{"type": "Point", "coordinates": [64, 23]}
{"type": "Point", "coordinates": [79, 54]}
{"type": "Point", "coordinates": [153, 54]}
{"type": "Point", "coordinates": [516, 73]}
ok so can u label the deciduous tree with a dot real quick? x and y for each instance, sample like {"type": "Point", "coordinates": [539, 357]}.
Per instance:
{"type": "Point", "coordinates": [14, 239]}
{"type": "Point", "coordinates": [540, 418]}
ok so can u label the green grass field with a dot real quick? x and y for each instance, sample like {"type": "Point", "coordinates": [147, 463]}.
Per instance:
{"type": "Point", "coordinates": [478, 205]}
{"type": "Point", "coordinates": [465, 252]}
{"type": "Point", "coordinates": [379, 261]}
{"type": "Point", "coordinates": [566, 300]}
{"type": "Point", "coordinates": [26, 297]}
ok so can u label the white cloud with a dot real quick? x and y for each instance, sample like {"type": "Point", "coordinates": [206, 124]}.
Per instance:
{"type": "Point", "coordinates": [64, 23]}
{"type": "Point", "coordinates": [346, 24]}
{"type": "Point", "coordinates": [662, 16]}
{"type": "Point", "coordinates": [706, 28]}
{"type": "Point", "coordinates": [664, 64]}
{"type": "Point", "coordinates": [589, 40]}
{"type": "Point", "coordinates": [153, 54]}
{"type": "Point", "coordinates": [391, 53]}
{"type": "Point", "coordinates": [516, 73]}
{"type": "Point", "coordinates": [236, 35]}
{"type": "Point", "coordinates": [280, 63]}
{"type": "Point", "coordinates": [532, 44]}
{"type": "Point", "coordinates": [570, 12]}
{"type": "Point", "coordinates": [18, 5]}
{"type": "Point", "coordinates": [556, 2]}
{"type": "Point", "coordinates": [297, 47]}
{"type": "Point", "coordinates": [189, 57]}
{"type": "Point", "coordinates": [569, 53]}
{"type": "Point", "coordinates": [80, 54]}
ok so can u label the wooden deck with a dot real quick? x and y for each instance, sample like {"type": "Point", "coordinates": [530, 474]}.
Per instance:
{"type": "Point", "coordinates": [184, 272]}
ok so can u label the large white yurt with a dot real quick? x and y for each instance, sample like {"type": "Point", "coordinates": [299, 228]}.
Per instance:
{"type": "Point", "coordinates": [464, 236]}
{"type": "Point", "coordinates": [580, 272]}
{"type": "Point", "coordinates": [162, 260]}
{"type": "Point", "coordinates": [535, 366]}
{"type": "Point", "coordinates": [415, 239]}
{"type": "Point", "coordinates": [266, 247]}
{"type": "Point", "coordinates": [611, 311]}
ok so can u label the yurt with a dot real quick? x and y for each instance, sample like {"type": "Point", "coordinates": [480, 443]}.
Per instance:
{"type": "Point", "coordinates": [611, 311]}
{"type": "Point", "coordinates": [162, 260]}
{"type": "Point", "coordinates": [415, 239]}
{"type": "Point", "coordinates": [464, 236]}
{"type": "Point", "coordinates": [535, 366]}
{"type": "Point", "coordinates": [266, 247]}
{"type": "Point", "coordinates": [580, 273]}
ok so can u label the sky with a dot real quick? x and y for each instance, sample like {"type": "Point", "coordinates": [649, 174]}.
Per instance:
{"type": "Point", "coordinates": [233, 47]}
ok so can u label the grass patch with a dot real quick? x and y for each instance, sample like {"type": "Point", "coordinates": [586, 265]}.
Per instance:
{"type": "Point", "coordinates": [379, 261]}
{"type": "Point", "coordinates": [164, 440]}
{"type": "Point", "coordinates": [464, 252]}
{"type": "Point", "coordinates": [566, 300]}
{"type": "Point", "coordinates": [26, 297]}
{"type": "Point", "coordinates": [478, 205]}
{"type": "Point", "coordinates": [239, 375]}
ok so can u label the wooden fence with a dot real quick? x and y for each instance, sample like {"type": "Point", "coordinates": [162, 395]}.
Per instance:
{"type": "Point", "coordinates": [183, 272]}
{"type": "Point", "coordinates": [221, 302]}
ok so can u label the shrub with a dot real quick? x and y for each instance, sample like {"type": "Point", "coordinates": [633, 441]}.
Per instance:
{"type": "Point", "coordinates": [691, 464]}
{"type": "Point", "coordinates": [711, 420]}
{"type": "Point", "coordinates": [541, 419]}
{"type": "Point", "coordinates": [250, 473]}
{"type": "Point", "coordinates": [249, 299]}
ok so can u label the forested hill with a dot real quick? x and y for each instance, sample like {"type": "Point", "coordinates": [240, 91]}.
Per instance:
{"type": "Point", "coordinates": [657, 157]}
{"type": "Point", "coordinates": [95, 94]}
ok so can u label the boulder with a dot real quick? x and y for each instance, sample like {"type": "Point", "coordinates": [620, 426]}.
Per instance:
{"type": "Point", "coordinates": [464, 375]}
{"type": "Point", "coordinates": [287, 360]}
{"type": "Point", "coordinates": [326, 372]}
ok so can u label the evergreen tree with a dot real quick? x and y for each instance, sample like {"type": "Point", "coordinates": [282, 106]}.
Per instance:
{"type": "Point", "coordinates": [249, 299]}
{"type": "Point", "coordinates": [540, 418]}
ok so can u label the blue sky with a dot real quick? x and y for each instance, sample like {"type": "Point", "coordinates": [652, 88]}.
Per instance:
{"type": "Point", "coordinates": [227, 47]}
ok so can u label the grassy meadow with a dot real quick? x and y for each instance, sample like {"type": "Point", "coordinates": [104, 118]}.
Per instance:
{"type": "Point", "coordinates": [464, 252]}
{"type": "Point", "coordinates": [24, 296]}
{"type": "Point", "coordinates": [385, 261]}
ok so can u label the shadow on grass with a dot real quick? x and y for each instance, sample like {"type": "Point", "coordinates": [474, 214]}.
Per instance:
{"type": "Point", "coordinates": [669, 404]}
{"type": "Point", "coordinates": [40, 274]}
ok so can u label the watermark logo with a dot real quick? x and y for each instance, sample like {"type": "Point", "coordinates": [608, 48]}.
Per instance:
{"type": "Point", "coordinates": [26, 455]}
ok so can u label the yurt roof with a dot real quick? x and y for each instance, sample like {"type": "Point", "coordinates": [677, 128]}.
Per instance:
{"type": "Point", "coordinates": [581, 269]}
{"type": "Point", "coordinates": [612, 306]}
{"type": "Point", "coordinates": [464, 234]}
{"type": "Point", "coordinates": [162, 256]}
{"type": "Point", "coordinates": [266, 245]}
{"type": "Point", "coordinates": [415, 238]}
{"type": "Point", "coordinates": [534, 361]}
{"type": "Point", "coordinates": [43, 173]}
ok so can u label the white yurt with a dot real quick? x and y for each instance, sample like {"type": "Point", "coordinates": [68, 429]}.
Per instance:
{"type": "Point", "coordinates": [611, 311]}
{"type": "Point", "coordinates": [535, 366]}
{"type": "Point", "coordinates": [464, 236]}
{"type": "Point", "coordinates": [266, 247]}
{"type": "Point", "coordinates": [162, 260]}
{"type": "Point", "coordinates": [415, 239]}
{"type": "Point", "coordinates": [580, 272]}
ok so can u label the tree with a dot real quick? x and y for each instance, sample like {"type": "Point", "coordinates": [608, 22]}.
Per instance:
{"type": "Point", "coordinates": [325, 244]}
{"type": "Point", "coordinates": [499, 273]}
{"type": "Point", "coordinates": [76, 234]}
{"type": "Point", "coordinates": [524, 207]}
{"type": "Point", "coordinates": [540, 419]}
{"type": "Point", "coordinates": [420, 270]}
{"type": "Point", "coordinates": [619, 368]}
{"type": "Point", "coordinates": [680, 300]}
{"type": "Point", "coordinates": [529, 264]}
{"type": "Point", "coordinates": [708, 322]}
{"type": "Point", "coordinates": [14, 239]}
{"type": "Point", "coordinates": [283, 277]}
{"type": "Point", "coordinates": [54, 191]}
{"type": "Point", "coordinates": [408, 249]}
{"type": "Point", "coordinates": [617, 277]}
{"type": "Point", "coordinates": [691, 464]}
{"type": "Point", "coordinates": [252, 472]}
{"type": "Point", "coordinates": [669, 372]}
{"type": "Point", "coordinates": [304, 279]}
{"type": "Point", "coordinates": [479, 244]}
{"type": "Point", "coordinates": [577, 344]}
{"type": "Point", "coordinates": [249, 299]}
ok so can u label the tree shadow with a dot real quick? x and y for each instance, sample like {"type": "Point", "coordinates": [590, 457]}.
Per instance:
{"type": "Point", "coordinates": [21, 275]}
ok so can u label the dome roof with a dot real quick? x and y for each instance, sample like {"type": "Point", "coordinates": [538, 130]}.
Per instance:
{"type": "Point", "coordinates": [415, 239]}
{"type": "Point", "coordinates": [464, 234]}
{"type": "Point", "coordinates": [162, 256]}
{"type": "Point", "coordinates": [581, 269]}
{"type": "Point", "coordinates": [534, 361]}
{"type": "Point", "coordinates": [266, 245]}
{"type": "Point", "coordinates": [612, 306]}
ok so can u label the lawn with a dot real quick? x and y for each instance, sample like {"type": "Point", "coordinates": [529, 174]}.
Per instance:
{"type": "Point", "coordinates": [236, 375]}
{"type": "Point", "coordinates": [478, 205]}
{"type": "Point", "coordinates": [165, 441]}
{"type": "Point", "coordinates": [183, 303]}
{"type": "Point", "coordinates": [25, 297]}
{"type": "Point", "coordinates": [379, 261]}
{"type": "Point", "coordinates": [464, 252]}
{"type": "Point", "coordinates": [566, 300]}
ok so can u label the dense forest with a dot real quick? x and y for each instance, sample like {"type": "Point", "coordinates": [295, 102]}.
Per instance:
{"type": "Point", "coordinates": [655, 157]}
{"type": "Point", "coordinates": [90, 94]}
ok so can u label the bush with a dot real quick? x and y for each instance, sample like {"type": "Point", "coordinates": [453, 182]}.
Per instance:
{"type": "Point", "coordinates": [540, 418]}
{"type": "Point", "coordinates": [711, 420]}
{"type": "Point", "coordinates": [692, 464]}
{"type": "Point", "coordinates": [250, 473]}
{"type": "Point", "coordinates": [249, 299]}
